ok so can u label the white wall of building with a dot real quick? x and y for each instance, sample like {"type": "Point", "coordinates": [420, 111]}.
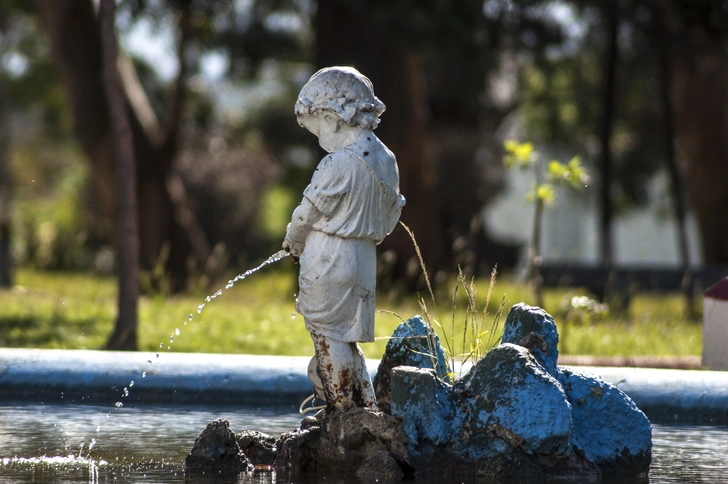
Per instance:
{"type": "Point", "coordinates": [570, 229]}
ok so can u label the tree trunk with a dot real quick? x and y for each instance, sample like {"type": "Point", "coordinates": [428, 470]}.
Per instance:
{"type": "Point", "coordinates": [535, 260]}
{"type": "Point", "coordinates": [124, 336]}
{"type": "Point", "coordinates": [75, 45]}
{"type": "Point", "coordinates": [5, 259]}
{"type": "Point", "coordinates": [408, 135]}
{"type": "Point", "coordinates": [697, 78]}
{"type": "Point", "coordinates": [700, 97]}
{"type": "Point", "coordinates": [676, 184]}
{"type": "Point", "coordinates": [73, 31]}
{"type": "Point", "coordinates": [609, 74]}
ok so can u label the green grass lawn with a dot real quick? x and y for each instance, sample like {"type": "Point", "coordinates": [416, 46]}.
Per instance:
{"type": "Point", "coordinates": [257, 316]}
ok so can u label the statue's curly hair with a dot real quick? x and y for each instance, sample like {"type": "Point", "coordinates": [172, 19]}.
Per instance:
{"type": "Point", "coordinates": [343, 91]}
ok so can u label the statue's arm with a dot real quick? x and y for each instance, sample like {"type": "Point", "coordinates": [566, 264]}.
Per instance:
{"type": "Point", "coordinates": [302, 221]}
{"type": "Point", "coordinates": [321, 198]}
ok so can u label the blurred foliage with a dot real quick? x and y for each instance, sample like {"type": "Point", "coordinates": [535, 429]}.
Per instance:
{"type": "Point", "coordinates": [245, 160]}
{"type": "Point", "coordinates": [571, 174]}
{"type": "Point", "coordinates": [239, 129]}
{"type": "Point", "coordinates": [53, 226]}
{"type": "Point", "coordinates": [564, 86]}
{"type": "Point", "coordinates": [518, 155]}
{"type": "Point", "coordinates": [581, 310]}
{"type": "Point", "coordinates": [27, 70]}
{"type": "Point", "coordinates": [524, 157]}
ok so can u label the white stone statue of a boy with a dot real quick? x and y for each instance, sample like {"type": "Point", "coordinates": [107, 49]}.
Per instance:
{"type": "Point", "coordinates": [350, 206]}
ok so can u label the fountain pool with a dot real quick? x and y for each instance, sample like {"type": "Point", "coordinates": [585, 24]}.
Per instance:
{"type": "Point", "coordinates": [148, 443]}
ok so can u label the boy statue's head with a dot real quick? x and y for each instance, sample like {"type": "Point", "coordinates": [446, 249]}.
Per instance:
{"type": "Point", "coordinates": [342, 91]}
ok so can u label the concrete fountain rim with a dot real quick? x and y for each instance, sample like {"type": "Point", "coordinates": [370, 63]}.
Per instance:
{"type": "Point", "coordinates": [92, 376]}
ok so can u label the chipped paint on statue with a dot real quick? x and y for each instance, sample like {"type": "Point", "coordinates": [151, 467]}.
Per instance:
{"type": "Point", "coordinates": [350, 206]}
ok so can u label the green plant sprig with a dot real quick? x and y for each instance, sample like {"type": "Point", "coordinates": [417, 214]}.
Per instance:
{"type": "Point", "coordinates": [474, 347]}
{"type": "Point", "coordinates": [542, 195]}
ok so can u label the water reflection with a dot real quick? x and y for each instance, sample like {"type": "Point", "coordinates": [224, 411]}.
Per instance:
{"type": "Point", "coordinates": [689, 453]}
{"type": "Point", "coordinates": [92, 444]}
{"type": "Point", "coordinates": [148, 443]}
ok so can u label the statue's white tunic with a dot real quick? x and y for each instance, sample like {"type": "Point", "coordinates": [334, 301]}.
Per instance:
{"type": "Point", "coordinates": [347, 209]}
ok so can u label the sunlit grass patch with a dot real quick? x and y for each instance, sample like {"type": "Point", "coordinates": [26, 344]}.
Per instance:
{"type": "Point", "coordinates": [257, 316]}
{"type": "Point", "coordinates": [57, 310]}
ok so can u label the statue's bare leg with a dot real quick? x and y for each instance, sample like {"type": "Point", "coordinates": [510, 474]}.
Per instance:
{"type": "Point", "coordinates": [363, 381]}
{"type": "Point", "coordinates": [337, 371]}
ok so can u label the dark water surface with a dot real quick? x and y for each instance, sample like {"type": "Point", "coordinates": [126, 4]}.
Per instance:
{"type": "Point", "coordinates": [148, 443]}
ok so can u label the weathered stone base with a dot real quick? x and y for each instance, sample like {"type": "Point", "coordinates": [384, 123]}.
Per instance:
{"type": "Point", "coordinates": [371, 446]}
{"type": "Point", "coordinates": [216, 450]}
{"type": "Point", "coordinates": [358, 441]}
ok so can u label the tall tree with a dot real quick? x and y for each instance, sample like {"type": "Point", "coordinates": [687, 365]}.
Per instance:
{"type": "Point", "coordinates": [609, 91]}
{"type": "Point", "coordinates": [645, 130]}
{"type": "Point", "coordinates": [5, 142]}
{"type": "Point", "coordinates": [125, 332]}
{"type": "Point", "coordinates": [75, 40]}
{"type": "Point", "coordinates": [5, 260]}
{"type": "Point", "coordinates": [680, 46]}
{"type": "Point", "coordinates": [662, 38]}
{"type": "Point", "coordinates": [698, 49]}
{"type": "Point", "coordinates": [172, 233]}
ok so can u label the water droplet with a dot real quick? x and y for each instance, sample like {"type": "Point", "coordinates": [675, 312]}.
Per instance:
{"type": "Point", "coordinates": [171, 339]}
{"type": "Point", "coordinates": [161, 345]}
{"type": "Point", "coordinates": [208, 298]}
{"type": "Point", "coordinates": [158, 353]}
{"type": "Point", "coordinates": [126, 392]}
{"type": "Point", "coordinates": [91, 445]}
{"type": "Point", "coordinates": [190, 318]}
{"type": "Point", "coordinates": [149, 361]}
{"type": "Point", "coordinates": [168, 347]}
{"type": "Point", "coordinates": [98, 429]}
{"type": "Point", "coordinates": [108, 415]}
{"type": "Point", "coordinates": [131, 383]}
{"type": "Point", "coordinates": [199, 308]}
{"type": "Point", "coordinates": [117, 405]}
{"type": "Point", "coordinates": [144, 373]}
{"type": "Point", "coordinates": [177, 331]}
{"type": "Point", "coordinates": [293, 315]}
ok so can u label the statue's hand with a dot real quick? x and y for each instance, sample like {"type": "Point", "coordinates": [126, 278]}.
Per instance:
{"type": "Point", "coordinates": [287, 248]}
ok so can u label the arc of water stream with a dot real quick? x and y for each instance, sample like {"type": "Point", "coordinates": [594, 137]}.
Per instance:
{"type": "Point", "coordinates": [93, 464]}
{"type": "Point", "coordinates": [278, 256]}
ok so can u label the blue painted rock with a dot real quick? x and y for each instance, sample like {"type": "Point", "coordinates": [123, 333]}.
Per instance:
{"type": "Point", "coordinates": [508, 417]}
{"type": "Point", "coordinates": [413, 343]}
{"type": "Point", "coordinates": [425, 403]}
{"type": "Point", "coordinates": [515, 399]}
{"type": "Point", "coordinates": [534, 329]}
{"type": "Point", "coordinates": [608, 426]}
